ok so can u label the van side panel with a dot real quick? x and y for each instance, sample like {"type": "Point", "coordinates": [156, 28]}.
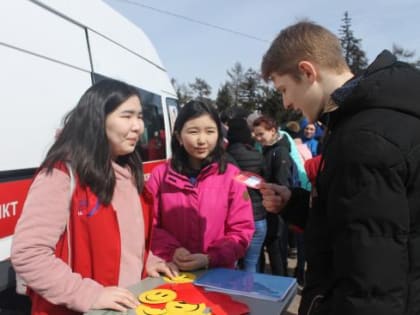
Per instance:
{"type": "Point", "coordinates": [98, 16]}
{"type": "Point", "coordinates": [10, 210]}
{"type": "Point", "coordinates": [120, 63]}
{"type": "Point", "coordinates": [35, 97]}
{"type": "Point", "coordinates": [40, 53]}
{"type": "Point", "coordinates": [29, 27]}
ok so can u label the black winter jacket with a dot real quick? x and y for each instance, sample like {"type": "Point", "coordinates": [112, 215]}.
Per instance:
{"type": "Point", "coordinates": [363, 232]}
{"type": "Point", "coordinates": [249, 159]}
{"type": "Point", "coordinates": [278, 162]}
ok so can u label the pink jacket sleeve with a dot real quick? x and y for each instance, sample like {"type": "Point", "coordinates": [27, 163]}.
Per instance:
{"type": "Point", "coordinates": [239, 227]}
{"type": "Point", "coordinates": [43, 220]}
{"type": "Point", "coordinates": [163, 243]}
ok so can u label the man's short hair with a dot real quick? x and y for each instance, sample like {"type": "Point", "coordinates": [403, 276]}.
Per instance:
{"type": "Point", "coordinates": [304, 40]}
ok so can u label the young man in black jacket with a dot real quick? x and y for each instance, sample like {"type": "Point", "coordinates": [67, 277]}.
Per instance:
{"type": "Point", "coordinates": [362, 230]}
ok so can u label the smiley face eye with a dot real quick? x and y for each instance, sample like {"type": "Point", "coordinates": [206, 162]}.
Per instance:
{"type": "Point", "coordinates": [182, 307]}
{"type": "Point", "coordinates": [157, 296]}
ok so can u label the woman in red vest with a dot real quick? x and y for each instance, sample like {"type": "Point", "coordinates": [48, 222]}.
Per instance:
{"type": "Point", "coordinates": [84, 233]}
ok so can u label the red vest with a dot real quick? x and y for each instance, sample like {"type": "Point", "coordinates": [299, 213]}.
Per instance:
{"type": "Point", "coordinates": [95, 244]}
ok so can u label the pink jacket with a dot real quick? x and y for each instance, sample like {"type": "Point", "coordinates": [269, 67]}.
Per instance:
{"type": "Point", "coordinates": [213, 216]}
{"type": "Point", "coordinates": [40, 229]}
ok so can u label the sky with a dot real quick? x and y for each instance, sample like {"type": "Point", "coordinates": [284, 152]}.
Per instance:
{"type": "Point", "coordinates": [189, 50]}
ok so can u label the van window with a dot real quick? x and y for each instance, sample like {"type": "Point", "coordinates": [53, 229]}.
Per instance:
{"type": "Point", "coordinates": [152, 145]}
{"type": "Point", "coordinates": [173, 109]}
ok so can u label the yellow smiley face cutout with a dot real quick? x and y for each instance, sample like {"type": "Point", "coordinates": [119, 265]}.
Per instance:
{"type": "Point", "coordinates": [180, 307]}
{"type": "Point", "coordinates": [146, 310]}
{"type": "Point", "coordinates": [183, 277]}
{"type": "Point", "coordinates": [157, 296]}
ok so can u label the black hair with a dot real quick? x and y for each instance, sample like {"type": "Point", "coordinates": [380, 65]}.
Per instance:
{"type": "Point", "coordinates": [84, 144]}
{"type": "Point", "coordinates": [180, 159]}
{"type": "Point", "coordinates": [239, 132]}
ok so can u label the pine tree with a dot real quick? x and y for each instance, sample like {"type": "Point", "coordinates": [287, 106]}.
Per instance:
{"type": "Point", "coordinates": [355, 56]}
{"type": "Point", "coordinates": [236, 78]}
{"type": "Point", "coordinates": [201, 88]}
{"type": "Point", "coordinates": [183, 93]}
{"type": "Point", "coordinates": [272, 106]}
{"type": "Point", "coordinates": [250, 94]}
{"type": "Point", "coordinates": [405, 55]}
{"type": "Point", "coordinates": [224, 97]}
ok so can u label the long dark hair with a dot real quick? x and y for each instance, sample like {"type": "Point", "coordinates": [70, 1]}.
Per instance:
{"type": "Point", "coordinates": [191, 110]}
{"type": "Point", "coordinates": [84, 144]}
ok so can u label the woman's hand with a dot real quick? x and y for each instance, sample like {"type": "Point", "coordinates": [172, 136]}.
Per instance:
{"type": "Point", "coordinates": [168, 269]}
{"type": "Point", "coordinates": [115, 298]}
{"type": "Point", "coordinates": [187, 261]}
{"type": "Point", "coordinates": [180, 253]}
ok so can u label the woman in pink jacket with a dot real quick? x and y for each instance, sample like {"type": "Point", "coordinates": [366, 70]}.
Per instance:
{"type": "Point", "coordinates": [202, 215]}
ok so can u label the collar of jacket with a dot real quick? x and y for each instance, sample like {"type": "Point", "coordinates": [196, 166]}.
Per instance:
{"type": "Point", "coordinates": [183, 182]}
{"type": "Point", "coordinates": [281, 142]}
{"type": "Point", "coordinates": [343, 94]}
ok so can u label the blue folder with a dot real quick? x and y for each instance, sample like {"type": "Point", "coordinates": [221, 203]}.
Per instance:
{"type": "Point", "coordinates": [237, 282]}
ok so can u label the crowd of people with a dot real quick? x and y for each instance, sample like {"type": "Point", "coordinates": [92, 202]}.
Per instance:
{"type": "Point", "coordinates": [345, 195]}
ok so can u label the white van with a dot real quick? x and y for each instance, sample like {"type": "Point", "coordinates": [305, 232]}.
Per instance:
{"type": "Point", "coordinates": [51, 51]}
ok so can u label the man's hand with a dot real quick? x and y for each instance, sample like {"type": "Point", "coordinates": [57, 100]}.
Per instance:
{"type": "Point", "coordinates": [115, 298]}
{"type": "Point", "coordinates": [275, 197]}
{"type": "Point", "coordinates": [187, 261]}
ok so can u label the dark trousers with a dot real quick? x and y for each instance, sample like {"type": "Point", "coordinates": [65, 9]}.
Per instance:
{"type": "Point", "coordinates": [276, 244]}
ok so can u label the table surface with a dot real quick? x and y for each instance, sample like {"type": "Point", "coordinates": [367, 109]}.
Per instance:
{"type": "Point", "coordinates": [256, 306]}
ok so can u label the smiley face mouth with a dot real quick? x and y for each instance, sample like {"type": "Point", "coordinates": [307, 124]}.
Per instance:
{"type": "Point", "coordinates": [144, 310]}
{"type": "Point", "coordinates": [154, 299]}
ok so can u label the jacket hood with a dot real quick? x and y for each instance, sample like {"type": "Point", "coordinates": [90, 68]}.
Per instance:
{"type": "Point", "coordinates": [387, 83]}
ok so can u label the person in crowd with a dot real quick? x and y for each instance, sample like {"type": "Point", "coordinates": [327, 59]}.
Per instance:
{"type": "Point", "coordinates": [276, 149]}
{"type": "Point", "coordinates": [362, 232]}
{"type": "Point", "coordinates": [78, 252]}
{"type": "Point", "coordinates": [312, 167]}
{"type": "Point", "coordinates": [308, 138]}
{"type": "Point", "coordinates": [319, 128]}
{"type": "Point", "coordinates": [247, 158]}
{"type": "Point", "coordinates": [303, 150]}
{"type": "Point", "coordinates": [224, 118]}
{"type": "Point", "coordinates": [300, 154]}
{"type": "Point", "coordinates": [250, 120]}
{"type": "Point", "coordinates": [202, 215]}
